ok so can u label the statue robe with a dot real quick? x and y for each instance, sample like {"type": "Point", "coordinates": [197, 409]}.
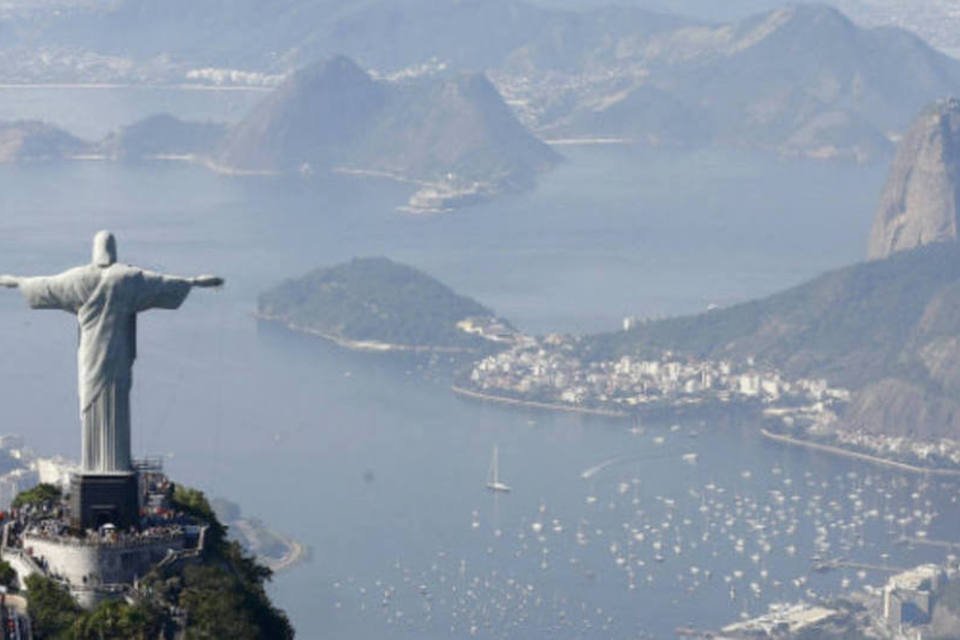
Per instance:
{"type": "Point", "coordinates": [106, 301]}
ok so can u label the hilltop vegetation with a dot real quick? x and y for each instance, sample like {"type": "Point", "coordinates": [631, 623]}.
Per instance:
{"type": "Point", "coordinates": [374, 299]}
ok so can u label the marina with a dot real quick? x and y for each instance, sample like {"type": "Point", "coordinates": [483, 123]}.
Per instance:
{"type": "Point", "coordinates": [724, 541]}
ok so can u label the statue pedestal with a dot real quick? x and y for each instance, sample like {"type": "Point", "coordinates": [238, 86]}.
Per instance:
{"type": "Point", "coordinates": [97, 499]}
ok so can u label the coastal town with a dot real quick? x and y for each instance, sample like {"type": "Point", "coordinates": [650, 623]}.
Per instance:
{"type": "Point", "coordinates": [549, 372]}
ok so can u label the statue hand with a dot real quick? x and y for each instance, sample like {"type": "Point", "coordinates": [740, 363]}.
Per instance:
{"type": "Point", "coordinates": [10, 282]}
{"type": "Point", "coordinates": [207, 281]}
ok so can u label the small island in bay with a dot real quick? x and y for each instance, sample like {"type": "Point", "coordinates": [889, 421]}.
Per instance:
{"type": "Point", "coordinates": [375, 304]}
{"type": "Point", "coordinates": [35, 141]}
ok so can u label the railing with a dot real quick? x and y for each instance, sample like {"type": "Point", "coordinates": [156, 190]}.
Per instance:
{"type": "Point", "coordinates": [120, 541]}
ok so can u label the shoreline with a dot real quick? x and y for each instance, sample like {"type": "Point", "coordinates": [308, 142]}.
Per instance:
{"type": "Point", "coordinates": [295, 555]}
{"type": "Point", "coordinates": [366, 346]}
{"type": "Point", "coordinates": [477, 395]}
{"type": "Point", "coordinates": [856, 455]}
{"type": "Point", "coordinates": [296, 552]}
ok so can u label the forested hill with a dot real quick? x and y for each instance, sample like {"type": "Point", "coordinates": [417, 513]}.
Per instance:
{"type": "Point", "coordinates": [889, 330]}
{"type": "Point", "coordinates": [374, 299]}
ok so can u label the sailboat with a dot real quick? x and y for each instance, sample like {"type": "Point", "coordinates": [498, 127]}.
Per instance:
{"type": "Point", "coordinates": [493, 476]}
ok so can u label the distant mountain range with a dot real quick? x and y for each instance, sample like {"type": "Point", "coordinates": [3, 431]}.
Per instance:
{"type": "Point", "coordinates": [803, 80]}
{"type": "Point", "coordinates": [800, 80]}
{"type": "Point", "coordinates": [452, 135]}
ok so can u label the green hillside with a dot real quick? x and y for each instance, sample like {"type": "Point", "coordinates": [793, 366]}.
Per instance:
{"type": "Point", "coordinates": [374, 299]}
{"type": "Point", "coordinates": [889, 330]}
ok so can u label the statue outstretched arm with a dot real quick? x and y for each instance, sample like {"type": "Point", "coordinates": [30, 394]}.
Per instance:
{"type": "Point", "coordinates": [158, 291]}
{"type": "Point", "coordinates": [206, 281]}
{"type": "Point", "coordinates": [66, 291]}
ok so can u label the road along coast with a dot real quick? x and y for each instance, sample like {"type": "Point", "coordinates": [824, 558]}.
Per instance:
{"type": "Point", "coordinates": [550, 406]}
{"type": "Point", "coordinates": [856, 455]}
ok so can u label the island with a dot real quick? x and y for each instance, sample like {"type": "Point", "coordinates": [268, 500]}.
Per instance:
{"type": "Point", "coordinates": [376, 304]}
{"type": "Point", "coordinates": [36, 141]}
{"type": "Point", "coordinates": [452, 136]}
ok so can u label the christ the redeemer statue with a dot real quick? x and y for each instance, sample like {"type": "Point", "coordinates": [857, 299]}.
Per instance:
{"type": "Point", "coordinates": [106, 297]}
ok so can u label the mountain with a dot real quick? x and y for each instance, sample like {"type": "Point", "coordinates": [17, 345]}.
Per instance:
{"type": "Point", "coordinates": [921, 200]}
{"type": "Point", "coordinates": [34, 141]}
{"type": "Point", "coordinates": [801, 80]}
{"type": "Point", "coordinates": [889, 330]}
{"type": "Point", "coordinates": [451, 131]}
{"type": "Point", "coordinates": [161, 135]}
{"type": "Point", "coordinates": [468, 34]}
{"type": "Point", "coordinates": [315, 116]}
{"type": "Point", "coordinates": [375, 301]}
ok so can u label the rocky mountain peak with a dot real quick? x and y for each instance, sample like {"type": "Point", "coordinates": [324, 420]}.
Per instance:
{"type": "Point", "coordinates": [921, 200]}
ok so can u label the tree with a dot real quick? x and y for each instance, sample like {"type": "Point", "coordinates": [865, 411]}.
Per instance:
{"type": "Point", "coordinates": [40, 494]}
{"type": "Point", "coordinates": [194, 503]}
{"type": "Point", "coordinates": [222, 604]}
{"type": "Point", "coordinates": [8, 575]}
{"type": "Point", "coordinates": [225, 597]}
{"type": "Point", "coordinates": [115, 620]}
{"type": "Point", "coordinates": [53, 611]}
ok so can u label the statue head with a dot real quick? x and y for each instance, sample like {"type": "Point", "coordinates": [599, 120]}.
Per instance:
{"type": "Point", "coordinates": [104, 249]}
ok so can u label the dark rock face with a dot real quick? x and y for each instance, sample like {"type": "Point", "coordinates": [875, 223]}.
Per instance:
{"type": "Point", "coordinates": [920, 201]}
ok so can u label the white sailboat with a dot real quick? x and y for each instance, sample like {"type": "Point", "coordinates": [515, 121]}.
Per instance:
{"type": "Point", "coordinates": [493, 476]}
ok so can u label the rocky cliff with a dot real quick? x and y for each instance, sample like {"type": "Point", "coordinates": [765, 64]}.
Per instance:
{"type": "Point", "coordinates": [920, 201]}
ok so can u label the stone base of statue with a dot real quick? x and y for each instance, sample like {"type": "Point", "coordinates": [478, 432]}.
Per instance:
{"type": "Point", "coordinates": [97, 499]}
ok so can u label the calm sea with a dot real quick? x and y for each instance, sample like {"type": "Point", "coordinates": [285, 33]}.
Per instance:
{"type": "Point", "coordinates": [371, 461]}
